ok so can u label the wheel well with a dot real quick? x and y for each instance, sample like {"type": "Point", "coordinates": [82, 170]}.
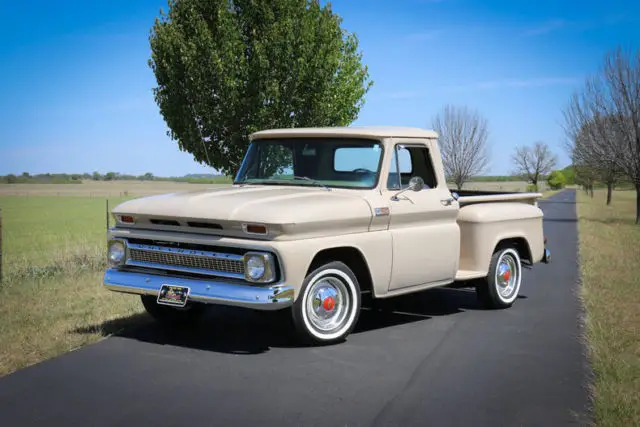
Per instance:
{"type": "Point", "coordinates": [352, 257]}
{"type": "Point", "coordinates": [520, 244]}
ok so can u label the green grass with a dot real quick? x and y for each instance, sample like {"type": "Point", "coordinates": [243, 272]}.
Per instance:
{"type": "Point", "coordinates": [610, 257]}
{"type": "Point", "coordinates": [51, 296]}
{"type": "Point", "coordinates": [44, 231]}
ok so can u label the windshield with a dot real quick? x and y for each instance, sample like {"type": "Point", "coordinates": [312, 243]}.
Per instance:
{"type": "Point", "coordinates": [328, 162]}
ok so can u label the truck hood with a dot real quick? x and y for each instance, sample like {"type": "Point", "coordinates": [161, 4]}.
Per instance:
{"type": "Point", "coordinates": [287, 211]}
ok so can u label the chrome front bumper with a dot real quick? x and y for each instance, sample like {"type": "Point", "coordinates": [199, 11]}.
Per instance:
{"type": "Point", "coordinates": [258, 297]}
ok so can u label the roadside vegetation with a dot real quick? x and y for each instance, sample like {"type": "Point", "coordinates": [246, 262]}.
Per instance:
{"type": "Point", "coordinates": [53, 258]}
{"type": "Point", "coordinates": [610, 256]}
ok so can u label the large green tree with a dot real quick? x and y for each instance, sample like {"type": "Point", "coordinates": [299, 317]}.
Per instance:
{"type": "Point", "coordinates": [226, 68]}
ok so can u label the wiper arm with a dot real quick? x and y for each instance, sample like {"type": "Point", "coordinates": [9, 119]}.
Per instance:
{"type": "Point", "coordinates": [306, 178]}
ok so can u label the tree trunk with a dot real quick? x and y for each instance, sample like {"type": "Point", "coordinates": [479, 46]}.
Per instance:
{"type": "Point", "coordinates": [609, 192]}
{"type": "Point", "coordinates": [638, 203]}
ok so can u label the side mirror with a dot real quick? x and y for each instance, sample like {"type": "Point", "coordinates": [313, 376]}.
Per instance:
{"type": "Point", "coordinates": [416, 183]}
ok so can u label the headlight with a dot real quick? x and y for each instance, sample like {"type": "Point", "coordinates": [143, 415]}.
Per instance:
{"type": "Point", "coordinates": [117, 252]}
{"type": "Point", "coordinates": [259, 267]}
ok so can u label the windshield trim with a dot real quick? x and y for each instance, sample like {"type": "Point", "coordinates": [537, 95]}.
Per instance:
{"type": "Point", "coordinates": [299, 183]}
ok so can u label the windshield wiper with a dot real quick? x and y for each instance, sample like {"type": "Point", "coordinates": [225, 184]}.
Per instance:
{"type": "Point", "coordinates": [306, 178]}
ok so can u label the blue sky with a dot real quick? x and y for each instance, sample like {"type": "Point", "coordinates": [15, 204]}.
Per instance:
{"type": "Point", "coordinates": [76, 88]}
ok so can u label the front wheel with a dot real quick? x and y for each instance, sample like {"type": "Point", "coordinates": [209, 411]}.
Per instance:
{"type": "Point", "coordinates": [502, 285]}
{"type": "Point", "coordinates": [328, 307]}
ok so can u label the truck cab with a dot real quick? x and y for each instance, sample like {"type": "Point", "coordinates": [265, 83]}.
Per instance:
{"type": "Point", "coordinates": [316, 217]}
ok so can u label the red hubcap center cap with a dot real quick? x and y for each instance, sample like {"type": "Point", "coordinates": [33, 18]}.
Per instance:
{"type": "Point", "coordinates": [329, 303]}
{"type": "Point", "coordinates": [507, 275]}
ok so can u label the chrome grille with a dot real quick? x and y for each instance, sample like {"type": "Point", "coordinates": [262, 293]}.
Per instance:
{"type": "Point", "coordinates": [187, 260]}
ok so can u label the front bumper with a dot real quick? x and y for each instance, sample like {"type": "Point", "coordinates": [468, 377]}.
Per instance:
{"type": "Point", "coordinates": [259, 297]}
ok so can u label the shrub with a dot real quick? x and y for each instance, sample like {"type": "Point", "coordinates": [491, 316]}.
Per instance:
{"type": "Point", "coordinates": [556, 180]}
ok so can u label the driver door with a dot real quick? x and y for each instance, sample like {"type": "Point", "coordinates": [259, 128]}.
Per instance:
{"type": "Point", "coordinates": [423, 224]}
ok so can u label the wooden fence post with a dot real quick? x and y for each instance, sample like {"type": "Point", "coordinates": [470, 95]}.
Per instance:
{"type": "Point", "coordinates": [107, 214]}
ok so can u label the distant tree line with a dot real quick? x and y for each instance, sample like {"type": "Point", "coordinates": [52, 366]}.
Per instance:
{"type": "Point", "coordinates": [78, 178]}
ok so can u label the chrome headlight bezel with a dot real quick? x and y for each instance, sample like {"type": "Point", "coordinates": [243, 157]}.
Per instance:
{"type": "Point", "coordinates": [268, 266]}
{"type": "Point", "coordinates": [116, 261]}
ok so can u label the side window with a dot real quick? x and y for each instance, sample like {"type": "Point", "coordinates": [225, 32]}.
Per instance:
{"type": "Point", "coordinates": [413, 161]}
{"type": "Point", "coordinates": [401, 157]}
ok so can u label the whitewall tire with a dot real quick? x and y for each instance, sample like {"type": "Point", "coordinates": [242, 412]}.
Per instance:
{"type": "Point", "coordinates": [328, 306]}
{"type": "Point", "coordinates": [501, 287]}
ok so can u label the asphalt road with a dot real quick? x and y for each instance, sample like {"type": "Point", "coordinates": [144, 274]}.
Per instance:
{"type": "Point", "coordinates": [431, 359]}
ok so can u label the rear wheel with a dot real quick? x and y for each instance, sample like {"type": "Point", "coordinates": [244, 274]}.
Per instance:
{"type": "Point", "coordinates": [189, 314]}
{"type": "Point", "coordinates": [329, 304]}
{"type": "Point", "coordinates": [502, 285]}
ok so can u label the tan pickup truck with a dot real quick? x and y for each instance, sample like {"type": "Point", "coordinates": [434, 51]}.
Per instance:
{"type": "Point", "coordinates": [315, 219]}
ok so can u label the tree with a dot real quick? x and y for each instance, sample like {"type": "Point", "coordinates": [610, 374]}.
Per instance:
{"type": "Point", "coordinates": [610, 102]}
{"type": "Point", "coordinates": [534, 162]}
{"type": "Point", "coordinates": [227, 68]}
{"type": "Point", "coordinates": [585, 176]}
{"type": "Point", "coordinates": [570, 174]}
{"type": "Point", "coordinates": [594, 143]}
{"type": "Point", "coordinates": [556, 180]}
{"type": "Point", "coordinates": [463, 143]}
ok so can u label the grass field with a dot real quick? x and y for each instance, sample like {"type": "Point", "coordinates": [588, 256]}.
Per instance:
{"type": "Point", "coordinates": [610, 257]}
{"type": "Point", "coordinates": [52, 298]}
{"type": "Point", "coordinates": [102, 189]}
{"type": "Point", "coordinates": [54, 255]}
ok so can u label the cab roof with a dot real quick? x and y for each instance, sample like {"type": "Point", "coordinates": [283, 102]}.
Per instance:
{"type": "Point", "coordinates": [351, 131]}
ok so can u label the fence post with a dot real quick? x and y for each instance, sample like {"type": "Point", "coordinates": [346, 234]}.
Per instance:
{"type": "Point", "coordinates": [0, 245]}
{"type": "Point", "coordinates": [107, 214]}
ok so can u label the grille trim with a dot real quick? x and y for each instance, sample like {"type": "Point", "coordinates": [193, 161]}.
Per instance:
{"type": "Point", "coordinates": [186, 260]}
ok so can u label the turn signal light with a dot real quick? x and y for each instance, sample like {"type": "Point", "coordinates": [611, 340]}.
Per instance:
{"type": "Point", "coordinates": [255, 229]}
{"type": "Point", "coordinates": [127, 219]}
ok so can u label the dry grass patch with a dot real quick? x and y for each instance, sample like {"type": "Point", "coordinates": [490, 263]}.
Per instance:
{"type": "Point", "coordinates": [610, 257]}
{"type": "Point", "coordinates": [43, 318]}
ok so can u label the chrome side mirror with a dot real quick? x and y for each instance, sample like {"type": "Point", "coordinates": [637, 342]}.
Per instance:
{"type": "Point", "coordinates": [415, 184]}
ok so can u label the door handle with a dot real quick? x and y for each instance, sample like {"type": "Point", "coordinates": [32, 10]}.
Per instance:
{"type": "Point", "coordinates": [447, 202]}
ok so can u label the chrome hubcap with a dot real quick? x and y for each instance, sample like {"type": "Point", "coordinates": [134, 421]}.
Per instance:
{"type": "Point", "coordinates": [507, 276]}
{"type": "Point", "coordinates": [328, 304]}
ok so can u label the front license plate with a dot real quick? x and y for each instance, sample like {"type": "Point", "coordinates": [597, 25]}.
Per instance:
{"type": "Point", "coordinates": [173, 295]}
